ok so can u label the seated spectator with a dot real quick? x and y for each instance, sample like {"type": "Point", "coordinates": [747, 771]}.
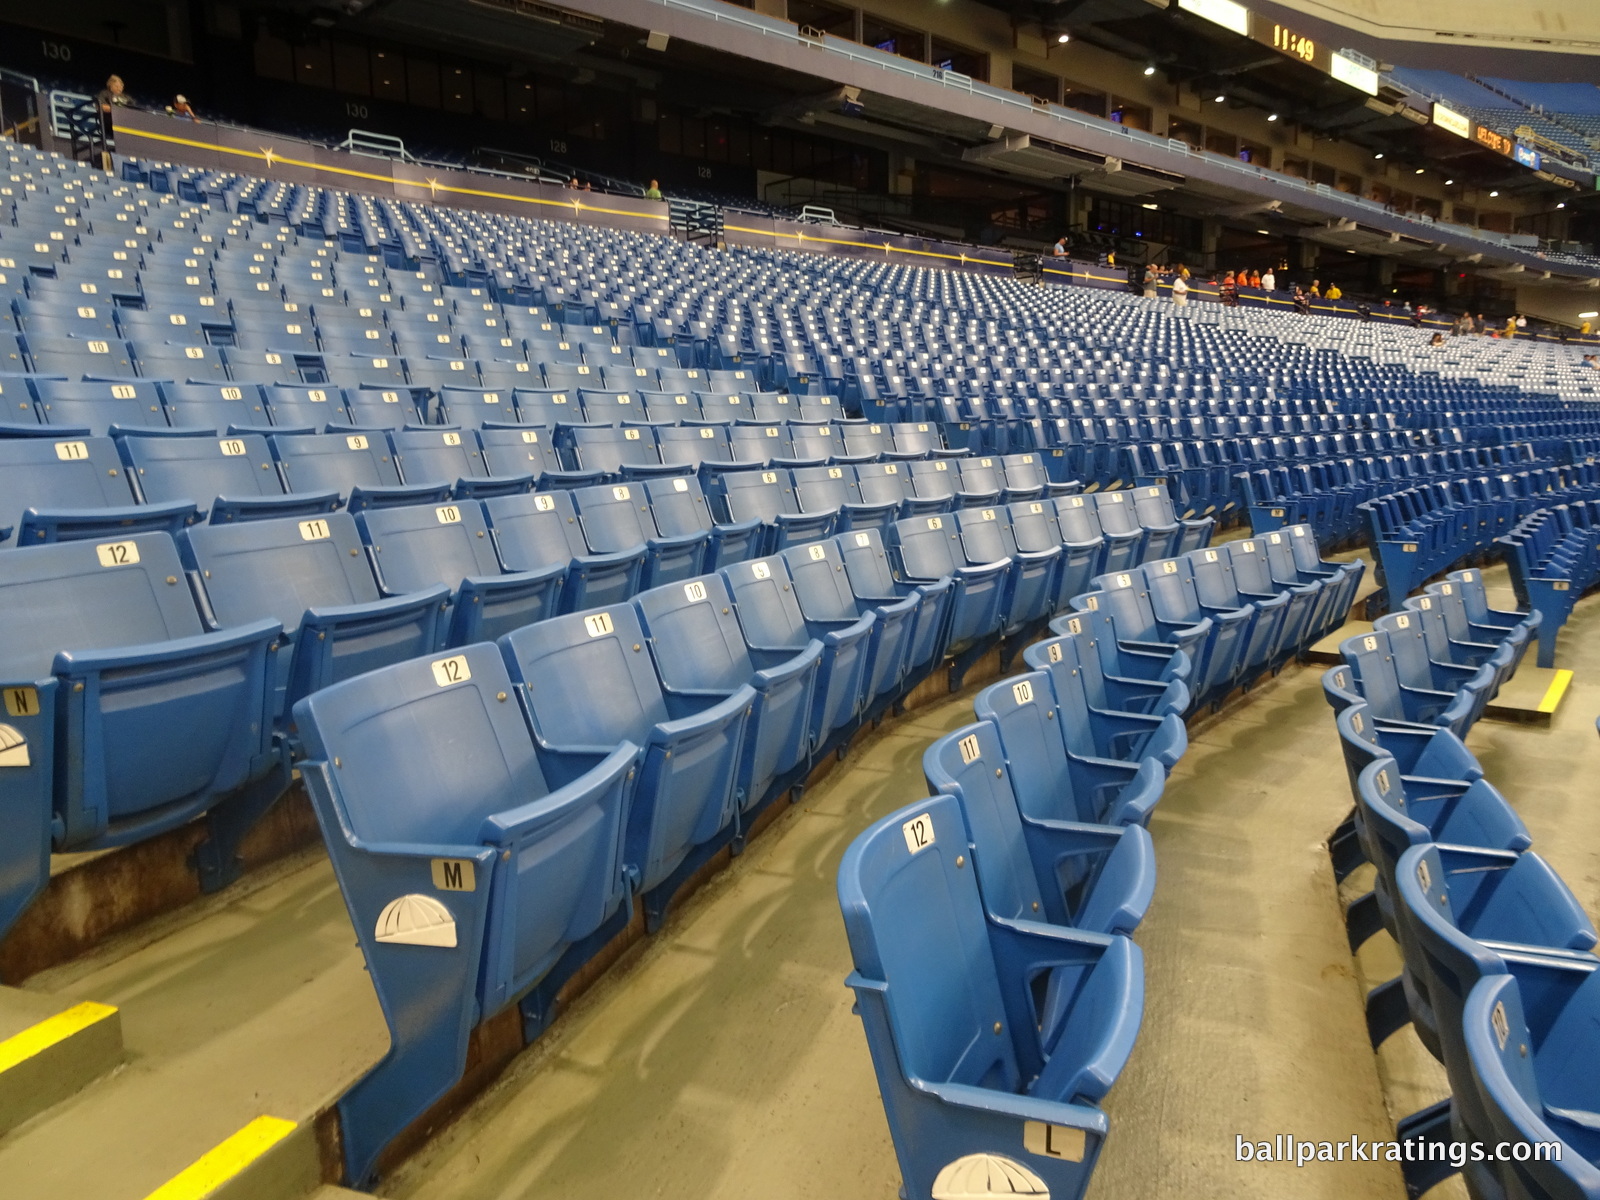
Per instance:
{"type": "Point", "coordinates": [1333, 292]}
{"type": "Point", "coordinates": [1316, 289]}
{"type": "Point", "coordinates": [1059, 250]}
{"type": "Point", "coordinates": [1436, 340]}
{"type": "Point", "coordinates": [182, 108]}
{"type": "Point", "coordinates": [113, 95]}
{"type": "Point", "coordinates": [653, 192]}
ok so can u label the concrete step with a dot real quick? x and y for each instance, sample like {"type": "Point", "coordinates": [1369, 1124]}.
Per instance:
{"type": "Point", "coordinates": [50, 1049]}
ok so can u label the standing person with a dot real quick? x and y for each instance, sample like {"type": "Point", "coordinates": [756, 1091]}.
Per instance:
{"type": "Point", "coordinates": [1150, 283]}
{"type": "Point", "coordinates": [1180, 290]}
{"type": "Point", "coordinates": [1522, 325]}
{"type": "Point", "coordinates": [1511, 326]}
{"type": "Point", "coordinates": [1229, 290]}
{"type": "Point", "coordinates": [653, 192]}
{"type": "Point", "coordinates": [1255, 279]}
{"type": "Point", "coordinates": [1316, 289]}
{"type": "Point", "coordinates": [1059, 250]}
{"type": "Point", "coordinates": [1333, 292]}
{"type": "Point", "coordinates": [1480, 325]}
{"type": "Point", "coordinates": [1269, 281]}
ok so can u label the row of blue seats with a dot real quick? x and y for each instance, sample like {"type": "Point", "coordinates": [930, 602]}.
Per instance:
{"type": "Point", "coordinates": [993, 1058]}
{"type": "Point", "coordinates": [591, 759]}
{"type": "Point", "coordinates": [1238, 611]}
{"type": "Point", "coordinates": [1554, 558]}
{"type": "Point", "coordinates": [1478, 917]}
{"type": "Point", "coordinates": [1441, 658]}
{"type": "Point", "coordinates": [1419, 531]}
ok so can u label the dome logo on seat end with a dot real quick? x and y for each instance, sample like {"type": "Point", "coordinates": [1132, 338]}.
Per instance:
{"type": "Point", "coordinates": [416, 920]}
{"type": "Point", "coordinates": [987, 1177]}
{"type": "Point", "coordinates": [13, 748]}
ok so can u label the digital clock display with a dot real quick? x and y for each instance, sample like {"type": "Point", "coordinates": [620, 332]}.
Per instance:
{"type": "Point", "coordinates": [1290, 42]}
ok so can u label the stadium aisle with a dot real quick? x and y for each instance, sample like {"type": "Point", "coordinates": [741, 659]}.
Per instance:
{"type": "Point", "coordinates": [247, 1005]}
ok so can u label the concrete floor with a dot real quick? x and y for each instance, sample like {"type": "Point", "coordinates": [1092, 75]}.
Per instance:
{"type": "Point", "coordinates": [720, 1059]}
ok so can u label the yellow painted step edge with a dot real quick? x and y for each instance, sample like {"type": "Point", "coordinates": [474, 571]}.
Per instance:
{"type": "Point", "coordinates": [38, 1038]}
{"type": "Point", "coordinates": [1553, 693]}
{"type": "Point", "coordinates": [227, 1159]}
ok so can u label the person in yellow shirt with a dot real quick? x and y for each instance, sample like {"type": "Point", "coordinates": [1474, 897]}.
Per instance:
{"type": "Point", "coordinates": [1584, 329]}
{"type": "Point", "coordinates": [1333, 292]}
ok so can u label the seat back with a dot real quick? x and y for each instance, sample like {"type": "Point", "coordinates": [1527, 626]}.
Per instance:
{"type": "Point", "coordinates": [936, 479]}
{"type": "Point", "coordinates": [1024, 715]}
{"type": "Point", "coordinates": [294, 406]}
{"type": "Point", "coordinates": [677, 505]}
{"type": "Point", "coordinates": [984, 535]}
{"type": "Point", "coordinates": [881, 483]}
{"type": "Point", "coordinates": [335, 461]}
{"type": "Point", "coordinates": [518, 452]}
{"type": "Point", "coordinates": [70, 473]}
{"type": "Point", "coordinates": [757, 493]}
{"type": "Point", "coordinates": [614, 516]}
{"type": "Point", "coordinates": [427, 749]}
{"type": "Point", "coordinates": [691, 445]}
{"type": "Point", "coordinates": [822, 489]}
{"type": "Point", "coordinates": [438, 456]}
{"type": "Point", "coordinates": [535, 530]}
{"type": "Point", "coordinates": [927, 547]}
{"type": "Point", "coordinates": [694, 635]}
{"type": "Point", "coordinates": [967, 763]}
{"type": "Point", "coordinates": [200, 469]}
{"type": "Point", "coordinates": [980, 475]}
{"type": "Point", "coordinates": [916, 922]}
{"type": "Point", "coordinates": [547, 406]}
{"type": "Point", "coordinates": [1117, 513]}
{"type": "Point", "coordinates": [1033, 526]}
{"type": "Point", "coordinates": [279, 568]}
{"type": "Point", "coordinates": [587, 679]}
{"type": "Point", "coordinates": [1078, 519]}
{"type": "Point", "coordinates": [218, 406]}
{"type": "Point", "coordinates": [765, 600]}
{"type": "Point", "coordinates": [381, 408]}
{"type": "Point", "coordinates": [100, 404]}
{"type": "Point", "coordinates": [418, 546]}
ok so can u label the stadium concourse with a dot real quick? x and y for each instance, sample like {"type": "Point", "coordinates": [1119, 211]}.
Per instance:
{"type": "Point", "coordinates": [460, 669]}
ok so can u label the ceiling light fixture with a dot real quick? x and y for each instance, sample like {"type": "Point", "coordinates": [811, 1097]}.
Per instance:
{"type": "Point", "coordinates": [1149, 68]}
{"type": "Point", "coordinates": [1448, 182]}
{"type": "Point", "coordinates": [1494, 193]}
{"type": "Point", "coordinates": [1063, 38]}
{"type": "Point", "coordinates": [1220, 99]}
{"type": "Point", "coordinates": [1561, 204]}
{"type": "Point", "coordinates": [1420, 170]}
{"type": "Point", "coordinates": [1379, 154]}
{"type": "Point", "coordinates": [1586, 316]}
{"type": "Point", "coordinates": [1272, 116]}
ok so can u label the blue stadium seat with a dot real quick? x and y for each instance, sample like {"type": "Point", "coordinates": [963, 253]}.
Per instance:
{"type": "Point", "coordinates": [769, 497]}
{"type": "Point", "coordinates": [101, 406]}
{"type": "Point", "coordinates": [529, 452]}
{"type": "Point", "coordinates": [1252, 578]}
{"type": "Point", "coordinates": [534, 532]}
{"type": "Point", "coordinates": [834, 489]}
{"type": "Point", "coordinates": [680, 510]}
{"type": "Point", "coordinates": [1079, 523]}
{"type": "Point", "coordinates": [134, 719]}
{"type": "Point", "coordinates": [1532, 1061]}
{"type": "Point", "coordinates": [1095, 878]}
{"type": "Point", "coordinates": [1053, 782]}
{"type": "Point", "coordinates": [986, 537]}
{"type": "Point", "coordinates": [836, 615]}
{"type": "Point", "coordinates": [935, 979]}
{"type": "Point", "coordinates": [70, 489]}
{"type": "Point", "coordinates": [224, 479]}
{"type": "Point", "coordinates": [312, 576]}
{"type": "Point", "coordinates": [873, 581]}
{"type": "Point", "coordinates": [1126, 599]}
{"type": "Point", "coordinates": [1175, 601]}
{"type": "Point", "coordinates": [452, 830]}
{"type": "Point", "coordinates": [701, 654]}
{"type": "Point", "coordinates": [418, 547]}
{"type": "Point", "coordinates": [588, 684]}
{"type": "Point", "coordinates": [927, 550]}
{"type": "Point", "coordinates": [358, 466]}
{"type": "Point", "coordinates": [313, 409]}
{"type": "Point", "coordinates": [1460, 909]}
{"type": "Point", "coordinates": [616, 518]}
{"type": "Point", "coordinates": [773, 624]}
